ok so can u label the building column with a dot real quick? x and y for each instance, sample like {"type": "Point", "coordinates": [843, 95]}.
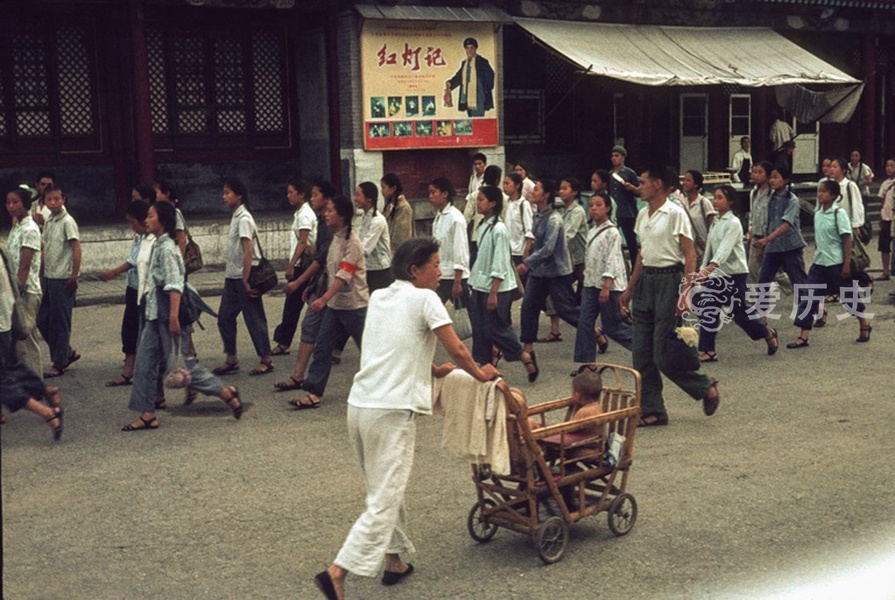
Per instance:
{"type": "Point", "coordinates": [145, 170]}
{"type": "Point", "coordinates": [868, 138]}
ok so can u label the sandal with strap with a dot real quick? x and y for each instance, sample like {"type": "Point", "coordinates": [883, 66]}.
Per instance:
{"type": "Point", "coordinates": [264, 367]}
{"type": "Point", "coordinates": [496, 355]}
{"type": "Point", "coordinates": [772, 337]}
{"type": "Point", "coordinates": [653, 420]}
{"type": "Point", "coordinates": [551, 338]}
{"type": "Point", "coordinates": [289, 385]}
{"type": "Point", "coordinates": [53, 396]}
{"type": "Point", "coordinates": [120, 380]}
{"type": "Point", "coordinates": [305, 402]}
{"type": "Point", "coordinates": [57, 429]}
{"type": "Point", "coordinates": [225, 368]}
{"type": "Point", "coordinates": [55, 371]}
{"type": "Point", "coordinates": [711, 356]}
{"type": "Point", "coordinates": [280, 350]}
{"type": "Point", "coordinates": [73, 357]}
{"type": "Point", "coordinates": [602, 342]}
{"type": "Point", "coordinates": [864, 338]}
{"type": "Point", "coordinates": [161, 403]}
{"type": "Point", "coordinates": [190, 396]}
{"type": "Point", "coordinates": [234, 395]}
{"type": "Point", "coordinates": [799, 342]}
{"type": "Point", "coordinates": [148, 424]}
{"type": "Point", "coordinates": [821, 322]}
{"type": "Point", "coordinates": [532, 375]}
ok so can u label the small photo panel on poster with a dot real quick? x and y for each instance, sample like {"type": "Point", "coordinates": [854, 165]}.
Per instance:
{"type": "Point", "coordinates": [443, 128]}
{"type": "Point", "coordinates": [412, 105]}
{"type": "Point", "coordinates": [463, 127]}
{"type": "Point", "coordinates": [377, 107]}
{"type": "Point", "coordinates": [402, 129]}
{"type": "Point", "coordinates": [379, 130]}
{"type": "Point", "coordinates": [428, 106]}
{"type": "Point", "coordinates": [424, 129]}
{"type": "Point", "coordinates": [394, 105]}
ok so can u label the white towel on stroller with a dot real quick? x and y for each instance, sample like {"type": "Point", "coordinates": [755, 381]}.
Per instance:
{"type": "Point", "coordinates": [475, 419]}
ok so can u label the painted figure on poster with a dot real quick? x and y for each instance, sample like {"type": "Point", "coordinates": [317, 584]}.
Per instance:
{"type": "Point", "coordinates": [475, 78]}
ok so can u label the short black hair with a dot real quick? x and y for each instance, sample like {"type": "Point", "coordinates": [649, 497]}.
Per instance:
{"type": "Point", "coordinates": [415, 252]}
{"type": "Point", "coordinates": [480, 156]}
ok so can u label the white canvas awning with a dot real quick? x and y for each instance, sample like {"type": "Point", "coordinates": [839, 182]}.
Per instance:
{"type": "Point", "coordinates": [659, 55]}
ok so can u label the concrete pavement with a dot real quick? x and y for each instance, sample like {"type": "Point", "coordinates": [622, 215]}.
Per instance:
{"type": "Point", "coordinates": [787, 485]}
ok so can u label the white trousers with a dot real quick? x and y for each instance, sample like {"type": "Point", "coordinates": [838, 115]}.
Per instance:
{"type": "Point", "coordinates": [384, 442]}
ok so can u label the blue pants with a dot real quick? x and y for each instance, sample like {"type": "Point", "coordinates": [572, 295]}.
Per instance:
{"type": "Point", "coordinates": [492, 328]}
{"type": "Point", "coordinates": [536, 291]}
{"type": "Point", "coordinates": [235, 301]}
{"type": "Point", "coordinates": [585, 338]}
{"type": "Point", "coordinates": [831, 276]}
{"type": "Point", "coordinates": [725, 292]}
{"type": "Point", "coordinates": [153, 352]}
{"type": "Point", "coordinates": [793, 265]}
{"type": "Point", "coordinates": [335, 325]}
{"type": "Point", "coordinates": [285, 331]}
{"type": "Point", "coordinates": [54, 319]}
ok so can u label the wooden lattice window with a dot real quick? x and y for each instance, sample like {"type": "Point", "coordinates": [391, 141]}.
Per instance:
{"type": "Point", "coordinates": [48, 92]}
{"type": "Point", "coordinates": [218, 89]}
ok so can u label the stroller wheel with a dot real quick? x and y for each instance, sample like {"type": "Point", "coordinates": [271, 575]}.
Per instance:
{"type": "Point", "coordinates": [479, 529]}
{"type": "Point", "coordinates": [622, 514]}
{"type": "Point", "coordinates": [551, 538]}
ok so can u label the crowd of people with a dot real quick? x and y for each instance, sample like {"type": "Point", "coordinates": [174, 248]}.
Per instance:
{"type": "Point", "coordinates": [641, 252]}
{"type": "Point", "coordinates": [355, 264]}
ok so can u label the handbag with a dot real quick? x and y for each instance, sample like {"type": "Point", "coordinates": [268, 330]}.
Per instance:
{"type": "Point", "coordinates": [679, 354]}
{"type": "Point", "coordinates": [192, 253]}
{"type": "Point", "coordinates": [860, 259]}
{"type": "Point", "coordinates": [186, 314]}
{"type": "Point", "coordinates": [262, 277]}
{"type": "Point", "coordinates": [460, 316]}
{"type": "Point", "coordinates": [178, 376]}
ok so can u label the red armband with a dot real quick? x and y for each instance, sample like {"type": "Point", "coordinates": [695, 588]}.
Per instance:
{"type": "Point", "coordinates": [348, 268]}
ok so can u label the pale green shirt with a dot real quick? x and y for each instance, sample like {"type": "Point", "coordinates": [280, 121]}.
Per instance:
{"type": "Point", "coordinates": [59, 231]}
{"type": "Point", "coordinates": [26, 234]}
{"type": "Point", "coordinates": [493, 260]}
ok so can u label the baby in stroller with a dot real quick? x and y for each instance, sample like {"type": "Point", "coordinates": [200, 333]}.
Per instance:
{"type": "Point", "coordinates": [587, 387]}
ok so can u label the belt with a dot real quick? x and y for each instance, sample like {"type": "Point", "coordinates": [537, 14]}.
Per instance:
{"type": "Point", "coordinates": [663, 270]}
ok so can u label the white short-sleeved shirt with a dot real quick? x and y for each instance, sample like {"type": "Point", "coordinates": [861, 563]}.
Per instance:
{"type": "Point", "coordinates": [700, 210]}
{"type": "Point", "coordinates": [26, 234]}
{"type": "Point", "coordinates": [397, 349]}
{"type": "Point", "coordinates": [242, 225]}
{"type": "Point", "coordinates": [58, 233]}
{"type": "Point", "coordinates": [305, 220]}
{"type": "Point", "coordinates": [851, 201]}
{"type": "Point", "coordinates": [519, 222]}
{"type": "Point", "coordinates": [449, 228]}
{"type": "Point", "coordinates": [375, 238]}
{"type": "Point", "coordinates": [660, 235]}
{"type": "Point", "coordinates": [7, 298]}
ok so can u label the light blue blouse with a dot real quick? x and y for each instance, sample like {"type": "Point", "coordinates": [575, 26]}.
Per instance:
{"type": "Point", "coordinates": [166, 270]}
{"type": "Point", "coordinates": [493, 260]}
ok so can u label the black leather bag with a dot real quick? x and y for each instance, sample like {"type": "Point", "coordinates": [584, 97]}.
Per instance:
{"type": "Point", "coordinates": [262, 277]}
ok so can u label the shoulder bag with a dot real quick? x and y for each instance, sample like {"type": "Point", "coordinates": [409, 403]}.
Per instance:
{"type": "Point", "coordinates": [860, 260]}
{"type": "Point", "coordinates": [192, 253]}
{"type": "Point", "coordinates": [865, 233]}
{"type": "Point", "coordinates": [263, 277]}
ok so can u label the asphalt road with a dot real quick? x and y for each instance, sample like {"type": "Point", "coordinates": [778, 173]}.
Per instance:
{"type": "Point", "coordinates": [785, 489]}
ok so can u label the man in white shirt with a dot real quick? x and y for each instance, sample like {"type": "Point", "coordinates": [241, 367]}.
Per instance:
{"type": "Point", "coordinates": [476, 180]}
{"type": "Point", "coordinates": [741, 163]}
{"type": "Point", "coordinates": [659, 298]}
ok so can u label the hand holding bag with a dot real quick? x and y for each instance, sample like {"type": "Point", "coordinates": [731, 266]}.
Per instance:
{"type": "Point", "coordinates": [178, 377]}
{"type": "Point", "coordinates": [263, 277]}
{"type": "Point", "coordinates": [460, 316]}
{"type": "Point", "coordinates": [192, 253]}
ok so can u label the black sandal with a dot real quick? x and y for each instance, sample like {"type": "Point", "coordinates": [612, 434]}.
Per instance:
{"type": "Point", "coordinates": [263, 368]}
{"type": "Point", "coordinates": [225, 368]}
{"type": "Point", "coordinates": [708, 357]}
{"type": "Point", "coordinates": [234, 395]}
{"type": "Point", "coordinates": [799, 342]}
{"type": "Point", "coordinates": [821, 322]}
{"type": "Point", "coordinates": [653, 420]}
{"type": "Point", "coordinates": [57, 429]}
{"type": "Point", "coordinates": [864, 338]}
{"type": "Point", "coordinates": [532, 375]}
{"type": "Point", "coordinates": [147, 424]}
{"type": "Point", "coordinates": [603, 345]}
{"type": "Point", "coordinates": [772, 350]}
{"type": "Point", "coordinates": [551, 338]}
{"type": "Point", "coordinates": [300, 404]}
{"type": "Point", "coordinates": [190, 396]}
{"type": "Point", "coordinates": [120, 380]}
{"type": "Point", "coordinates": [291, 384]}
